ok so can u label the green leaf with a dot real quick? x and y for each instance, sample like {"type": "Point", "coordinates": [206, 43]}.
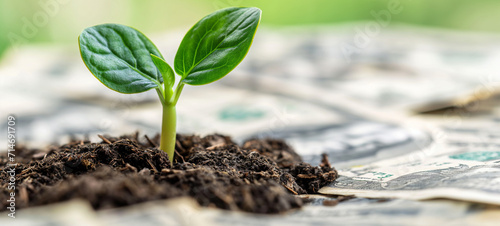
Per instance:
{"type": "Point", "coordinates": [216, 45]}
{"type": "Point", "coordinates": [119, 57]}
{"type": "Point", "coordinates": [165, 70]}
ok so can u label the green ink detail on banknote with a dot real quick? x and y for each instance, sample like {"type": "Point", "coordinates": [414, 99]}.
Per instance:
{"type": "Point", "coordinates": [381, 175]}
{"type": "Point", "coordinates": [481, 156]}
{"type": "Point", "coordinates": [239, 113]}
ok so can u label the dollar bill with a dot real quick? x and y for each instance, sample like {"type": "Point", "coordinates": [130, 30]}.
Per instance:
{"type": "Point", "coordinates": [75, 212]}
{"type": "Point", "coordinates": [386, 72]}
{"type": "Point", "coordinates": [364, 135]}
{"type": "Point", "coordinates": [462, 164]}
{"type": "Point", "coordinates": [373, 212]}
{"type": "Point", "coordinates": [185, 211]}
{"type": "Point", "coordinates": [181, 211]}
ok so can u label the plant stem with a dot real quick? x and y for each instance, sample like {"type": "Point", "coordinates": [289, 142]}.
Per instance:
{"type": "Point", "coordinates": [161, 96]}
{"type": "Point", "coordinates": [168, 131]}
{"type": "Point", "coordinates": [177, 93]}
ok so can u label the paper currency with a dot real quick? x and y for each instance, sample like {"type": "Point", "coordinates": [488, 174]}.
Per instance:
{"type": "Point", "coordinates": [75, 212]}
{"type": "Point", "coordinates": [352, 143]}
{"type": "Point", "coordinates": [401, 67]}
{"type": "Point", "coordinates": [296, 84]}
{"type": "Point", "coordinates": [372, 212]}
{"type": "Point", "coordinates": [180, 211]}
{"type": "Point", "coordinates": [462, 164]}
{"type": "Point", "coordinates": [365, 134]}
{"type": "Point", "coordinates": [186, 212]}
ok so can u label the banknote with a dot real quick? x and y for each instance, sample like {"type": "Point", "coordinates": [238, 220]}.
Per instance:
{"type": "Point", "coordinates": [373, 212]}
{"type": "Point", "coordinates": [425, 71]}
{"type": "Point", "coordinates": [75, 212]}
{"type": "Point", "coordinates": [352, 143]}
{"type": "Point", "coordinates": [181, 211]}
{"type": "Point", "coordinates": [185, 211]}
{"type": "Point", "coordinates": [364, 135]}
{"type": "Point", "coordinates": [462, 164]}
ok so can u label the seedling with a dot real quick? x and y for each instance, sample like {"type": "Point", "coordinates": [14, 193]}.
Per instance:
{"type": "Point", "coordinates": [126, 61]}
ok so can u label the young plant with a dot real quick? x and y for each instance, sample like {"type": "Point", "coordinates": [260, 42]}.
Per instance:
{"type": "Point", "coordinates": [126, 61]}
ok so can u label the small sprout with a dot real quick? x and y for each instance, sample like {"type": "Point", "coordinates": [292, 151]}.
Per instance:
{"type": "Point", "coordinates": [126, 61]}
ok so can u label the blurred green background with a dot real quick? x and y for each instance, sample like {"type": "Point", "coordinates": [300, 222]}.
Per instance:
{"type": "Point", "coordinates": [60, 21]}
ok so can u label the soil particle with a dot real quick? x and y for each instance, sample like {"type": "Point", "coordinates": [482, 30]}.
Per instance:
{"type": "Point", "coordinates": [260, 176]}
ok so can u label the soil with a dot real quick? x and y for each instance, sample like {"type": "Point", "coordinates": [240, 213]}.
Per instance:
{"type": "Point", "coordinates": [261, 176]}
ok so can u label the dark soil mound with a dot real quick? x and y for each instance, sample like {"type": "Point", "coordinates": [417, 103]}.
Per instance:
{"type": "Point", "coordinates": [261, 176]}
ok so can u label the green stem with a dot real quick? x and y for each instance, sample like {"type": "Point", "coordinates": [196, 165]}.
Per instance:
{"type": "Point", "coordinates": [168, 127]}
{"type": "Point", "coordinates": [168, 131]}
{"type": "Point", "coordinates": [177, 93]}
{"type": "Point", "coordinates": [161, 96]}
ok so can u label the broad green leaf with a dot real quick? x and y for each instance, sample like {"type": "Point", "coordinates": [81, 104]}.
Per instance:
{"type": "Point", "coordinates": [216, 45]}
{"type": "Point", "coordinates": [165, 70]}
{"type": "Point", "coordinates": [119, 57]}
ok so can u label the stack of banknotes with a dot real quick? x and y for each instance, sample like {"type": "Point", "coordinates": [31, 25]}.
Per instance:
{"type": "Point", "coordinates": [411, 121]}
